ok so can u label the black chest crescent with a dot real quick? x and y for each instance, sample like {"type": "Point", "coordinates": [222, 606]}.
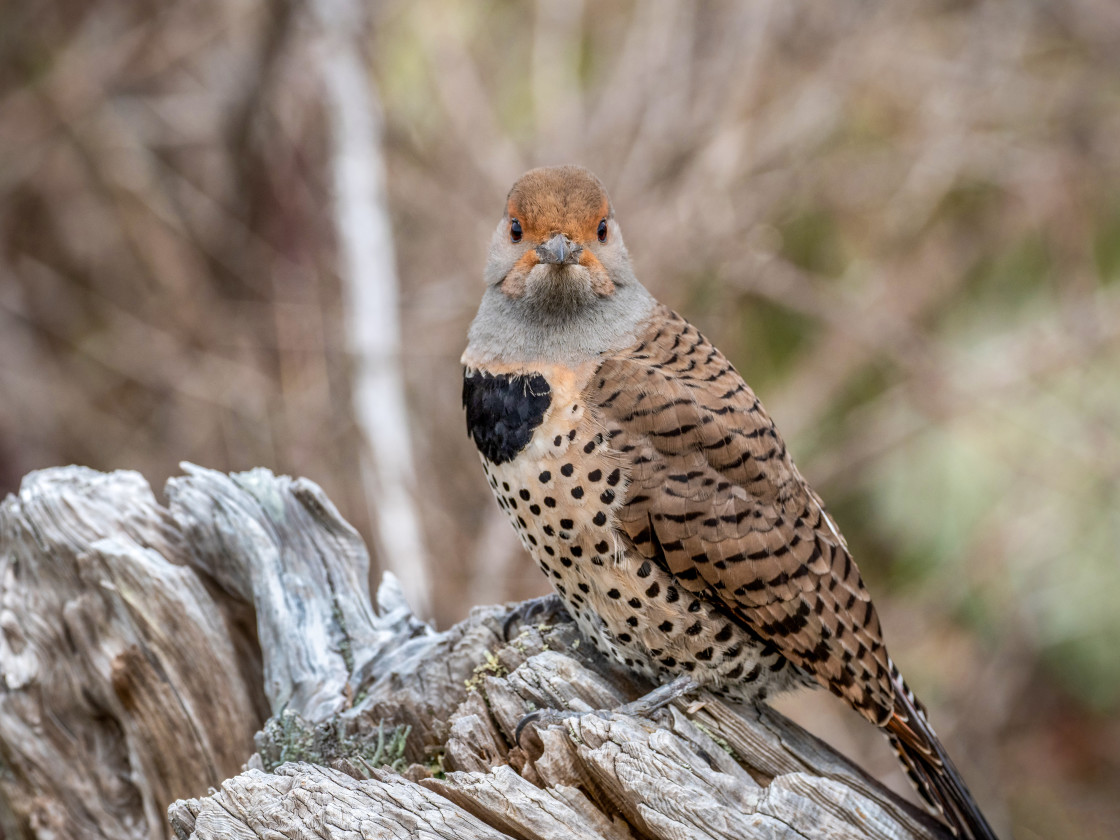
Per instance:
{"type": "Point", "coordinates": [503, 410]}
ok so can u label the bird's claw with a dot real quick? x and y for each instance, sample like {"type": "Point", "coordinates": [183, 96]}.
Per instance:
{"type": "Point", "coordinates": [535, 610]}
{"type": "Point", "coordinates": [644, 706]}
{"type": "Point", "coordinates": [543, 718]}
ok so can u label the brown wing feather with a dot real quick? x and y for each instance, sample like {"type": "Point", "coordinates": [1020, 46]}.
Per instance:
{"type": "Point", "coordinates": [713, 490]}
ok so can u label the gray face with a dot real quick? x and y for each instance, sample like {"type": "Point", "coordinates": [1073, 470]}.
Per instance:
{"type": "Point", "coordinates": [558, 294]}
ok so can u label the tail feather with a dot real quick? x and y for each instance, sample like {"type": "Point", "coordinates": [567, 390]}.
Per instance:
{"type": "Point", "coordinates": [930, 768]}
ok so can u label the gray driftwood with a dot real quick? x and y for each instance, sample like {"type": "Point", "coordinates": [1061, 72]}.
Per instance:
{"type": "Point", "coordinates": [224, 647]}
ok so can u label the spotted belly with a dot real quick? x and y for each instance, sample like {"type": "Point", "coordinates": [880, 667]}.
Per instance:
{"type": "Point", "coordinates": [562, 491]}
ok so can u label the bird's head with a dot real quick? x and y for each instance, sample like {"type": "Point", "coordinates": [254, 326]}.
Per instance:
{"type": "Point", "coordinates": [558, 248]}
{"type": "Point", "coordinates": [558, 278]}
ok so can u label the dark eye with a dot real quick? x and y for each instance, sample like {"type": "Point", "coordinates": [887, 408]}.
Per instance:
{"type": "Point", "coordinates": [603, 231]}
{"type": "Point", "coordinates": [515, 230]}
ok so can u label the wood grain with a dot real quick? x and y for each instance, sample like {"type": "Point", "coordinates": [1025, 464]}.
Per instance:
{"type": "Point", "coordinates": [134, 679]}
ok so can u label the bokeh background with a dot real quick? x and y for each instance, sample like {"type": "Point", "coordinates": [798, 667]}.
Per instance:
{"type": "Point", "coordinates": [251, 233]}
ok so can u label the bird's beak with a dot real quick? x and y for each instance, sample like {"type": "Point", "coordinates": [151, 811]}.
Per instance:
{"type": "Point", "coordinates": [559, 250]}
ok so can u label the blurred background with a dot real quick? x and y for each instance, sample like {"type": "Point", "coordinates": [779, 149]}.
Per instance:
{"type": "Point", "coordinates": [248, 233]}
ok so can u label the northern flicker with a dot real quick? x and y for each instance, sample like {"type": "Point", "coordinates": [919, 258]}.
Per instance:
{"type": "Point", "coordinates": [647, 481]}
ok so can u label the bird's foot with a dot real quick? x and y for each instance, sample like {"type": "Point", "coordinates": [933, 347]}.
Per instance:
{"type": "Point", "coordinates": [660, 697]}
{"type": "Point", "coordinates": [534, 611]}
{"type": "Point", "coordinates": [644, 706]}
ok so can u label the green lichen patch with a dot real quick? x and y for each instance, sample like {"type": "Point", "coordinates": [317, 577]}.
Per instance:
{"type": "Point", "coordinates": [289, 737]}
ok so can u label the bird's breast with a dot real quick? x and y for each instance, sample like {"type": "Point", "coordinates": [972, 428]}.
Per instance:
{"type": "Point", "coordinates": [546, 456]}
{"type": "Point", "coordinates": [506, 404]}
{"type": "Point", "coordinates": [503, 411]}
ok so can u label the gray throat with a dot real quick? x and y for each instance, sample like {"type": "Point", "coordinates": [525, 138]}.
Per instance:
{"type": "Point", "coordinates": [513, 331]}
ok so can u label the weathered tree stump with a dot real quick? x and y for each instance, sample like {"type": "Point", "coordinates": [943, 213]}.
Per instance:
{"type": "Point", "coordinates": [143, 646]}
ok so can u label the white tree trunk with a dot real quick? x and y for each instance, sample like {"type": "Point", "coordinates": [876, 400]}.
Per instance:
{"type": "Point", "coordinates": [369, 279]}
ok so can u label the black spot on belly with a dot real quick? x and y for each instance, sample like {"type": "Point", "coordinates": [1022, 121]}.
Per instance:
{"type": "Point", "coordinates": [503, 411]}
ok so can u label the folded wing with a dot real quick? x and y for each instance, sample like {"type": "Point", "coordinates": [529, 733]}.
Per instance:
{"type": "Point", "coordinates": [714, 496]}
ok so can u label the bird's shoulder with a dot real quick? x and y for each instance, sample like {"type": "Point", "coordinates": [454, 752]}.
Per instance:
{"type": "Point", "coordinates": [674, 390]}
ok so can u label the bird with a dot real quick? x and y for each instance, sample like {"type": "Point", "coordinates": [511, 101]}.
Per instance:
{"type": "Point", "coordinates": [646, 479]}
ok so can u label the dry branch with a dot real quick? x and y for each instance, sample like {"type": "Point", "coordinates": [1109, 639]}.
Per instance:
{"type": "Point", "coordinates": [130, 679]}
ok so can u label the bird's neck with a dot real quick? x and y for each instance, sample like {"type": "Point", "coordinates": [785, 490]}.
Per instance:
{"type": "Point", "coordinates": [509, 330]}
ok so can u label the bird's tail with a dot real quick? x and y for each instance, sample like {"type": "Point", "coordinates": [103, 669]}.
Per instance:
{"type": "Point", "coordinates": [930, 768]}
